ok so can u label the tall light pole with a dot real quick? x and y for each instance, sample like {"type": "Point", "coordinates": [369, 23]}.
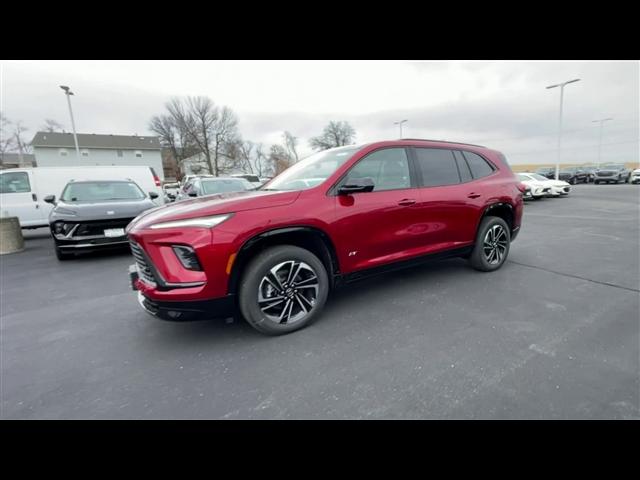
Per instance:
{"type": "Point", "coordinates": [400, 124]}
{"type": "Point", "coordinates": [601, 121]}
{"type": "Point", "coordinates": [561, 85]}
{"type": "Point", "coordinates": [68, 93]}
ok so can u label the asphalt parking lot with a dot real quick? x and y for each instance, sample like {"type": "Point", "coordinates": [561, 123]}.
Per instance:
{"type": "Point", "coordinates": [553, 334]}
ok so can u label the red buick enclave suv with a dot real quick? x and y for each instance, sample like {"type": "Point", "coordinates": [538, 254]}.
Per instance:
{"type": "Point", "coordinates": [274, 254]}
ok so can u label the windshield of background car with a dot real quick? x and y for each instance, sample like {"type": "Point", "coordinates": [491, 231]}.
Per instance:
{"type": "Point", "coordinates": [101, 192]}
{"type": "Point", "coordinates": [312, 170]}
{"type": "Point", "coordinates": [524, 178]}
{"type": "Point", "coordinates": [612, 166]}
{"type": "Point", "coordinates": [210, 187]}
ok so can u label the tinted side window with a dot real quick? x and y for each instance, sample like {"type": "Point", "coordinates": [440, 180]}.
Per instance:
{"type": "Point", "coordinates": [479, 166]}
{"type": "Point", "coordinates": [463, 167]}
{"type": "Point", "coordinates": [438, 167]}
{"type": "Point", "coordinates": [17, 182]}
{"type": "Point", "coordinates": [388, 168]}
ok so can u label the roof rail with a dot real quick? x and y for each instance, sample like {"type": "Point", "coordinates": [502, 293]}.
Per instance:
{"type": "Point", "coordinates": [443, 141]}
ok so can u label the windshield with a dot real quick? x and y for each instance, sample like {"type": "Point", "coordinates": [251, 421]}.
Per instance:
{"type": "Point", "coordinates": [612, 166]}
{"type": "Point", "coordinates": [569, 170]}
{"type": "Point", "coordinates": [210, 187]}
{"type": "Point", "coordinates": [313, 170]}
{"type": "Point", "coordinates": [101, 191]}
{"type": "Point", "coordinates": [523, 177]}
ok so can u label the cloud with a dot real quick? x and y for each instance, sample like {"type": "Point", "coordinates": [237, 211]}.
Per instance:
{"type": "Point", "coordinates": [504, 105]}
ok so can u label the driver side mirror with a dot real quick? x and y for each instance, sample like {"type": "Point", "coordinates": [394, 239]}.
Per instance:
{"type": "Point", "coordinates": [153, 195]}
{"type": "Point", "coordinates": [50, 199]}
{"type": "Point", "coordinates": [356, 185]}
{"type": "Point", "coordinates": [193, 194]}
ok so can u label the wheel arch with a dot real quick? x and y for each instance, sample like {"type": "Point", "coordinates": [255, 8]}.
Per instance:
{"type": "Point", "coordinates": [313, 239]}
{"type": "Point", "coordinates": [502, 210]}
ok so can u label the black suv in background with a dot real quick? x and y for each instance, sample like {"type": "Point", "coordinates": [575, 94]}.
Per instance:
{"type": "Point", "coordinates": [574, 175]}
{"type": "Point", "coordinates": [93, 215]}
{"type": "Point", "coordinates": [548, 172]}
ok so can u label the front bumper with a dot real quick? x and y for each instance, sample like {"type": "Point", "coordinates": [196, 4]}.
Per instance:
{"type": "Point", "coordinates": [182, 311]}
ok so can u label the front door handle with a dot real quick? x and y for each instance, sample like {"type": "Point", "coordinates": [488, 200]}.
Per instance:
{"type": "Point", "coordinates": [473, 195]}
{"type": "Point", "coordinates": [405, 202]}
{"type": "Point", "coordinates": [34, 196]}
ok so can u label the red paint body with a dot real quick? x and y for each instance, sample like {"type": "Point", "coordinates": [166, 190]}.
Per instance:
{"type": "Point", "coordinates": [381, 227]}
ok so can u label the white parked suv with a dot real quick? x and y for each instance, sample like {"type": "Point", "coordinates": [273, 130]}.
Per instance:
{"type": "Point", "coordinates": [542, 186]}
{"type": "Point", "coordinates": [635, 176]}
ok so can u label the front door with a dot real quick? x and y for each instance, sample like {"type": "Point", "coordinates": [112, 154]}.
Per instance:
{"type": "Point", "coordinates": [382, 226]}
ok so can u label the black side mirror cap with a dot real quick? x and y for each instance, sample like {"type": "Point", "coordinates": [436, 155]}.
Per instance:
{"type": "Point", "coordinates": [50, 199]}
{"type": "Point", "coordinates": [356, 185]}
{"type": "Point", "coordinates": [153, 195]}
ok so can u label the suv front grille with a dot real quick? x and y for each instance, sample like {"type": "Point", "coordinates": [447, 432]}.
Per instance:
{"type": "Point", "coordinates": [143, 268]}
{"type": "Point", "coordinates": [97, 228]}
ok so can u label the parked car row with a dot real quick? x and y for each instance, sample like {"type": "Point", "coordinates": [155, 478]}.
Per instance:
{"type": "Point", "coordinates": [539, 186]}
{"type": "Point", "coordinates": [607, 173]}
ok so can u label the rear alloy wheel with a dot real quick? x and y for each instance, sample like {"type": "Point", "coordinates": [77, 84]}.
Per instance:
{"type": "Point", "coordinates": [574, 181]}
{"type": "Point", "coordinates": [283, 289]}
{"type": "Point", "coordinates": [492, 245]}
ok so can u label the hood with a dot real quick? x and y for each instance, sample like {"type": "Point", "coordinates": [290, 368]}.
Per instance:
{"type": "Point", "coordinates": [215, 205]}
{"type": "Point", "coordinates": [86, 211]}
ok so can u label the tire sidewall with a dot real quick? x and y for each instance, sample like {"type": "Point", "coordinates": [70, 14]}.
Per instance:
{"type": "Point", "coordinates": [258, 268]}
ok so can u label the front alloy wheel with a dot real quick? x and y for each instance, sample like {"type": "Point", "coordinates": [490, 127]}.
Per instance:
{"type": "Point", "coordinates": [288, 292]}
{"type": "Point", "coordinates": [283, 289]}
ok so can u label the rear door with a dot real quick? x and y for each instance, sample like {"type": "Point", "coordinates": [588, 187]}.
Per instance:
{"type": "Point", "coordinates": [20, 198]}
{"type": "Point", "coordinates": [449, 199]}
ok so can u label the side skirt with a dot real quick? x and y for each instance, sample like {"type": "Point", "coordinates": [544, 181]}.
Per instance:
{"type": "Point", "coordinates": [342, 279]}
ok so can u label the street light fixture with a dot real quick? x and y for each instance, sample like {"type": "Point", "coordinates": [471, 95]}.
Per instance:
{"type": "Point", "coordinates": [601, 122]}
{"type": "Point", "coordinates": [400, 124]}
{"type": "Point", "coordinates": [561, 85]}
{"type": "Point", "coordinates": [68, 93]}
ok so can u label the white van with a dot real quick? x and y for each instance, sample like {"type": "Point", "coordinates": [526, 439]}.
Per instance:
{"type": "Point", "coordinates": [22, 190]}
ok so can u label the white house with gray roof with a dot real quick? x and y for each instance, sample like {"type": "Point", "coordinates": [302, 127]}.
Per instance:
{"type": "Point", "coordinates": [54, 149]}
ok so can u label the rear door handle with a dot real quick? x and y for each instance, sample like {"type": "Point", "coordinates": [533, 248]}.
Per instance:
{"type": "Point", "coordinates": [473, 195]}
{"type": "Point", "coordinates": [406, 202]}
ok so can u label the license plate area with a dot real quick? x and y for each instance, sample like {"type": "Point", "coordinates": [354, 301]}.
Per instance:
{"type": "Point", "coordinates": [114, 232]}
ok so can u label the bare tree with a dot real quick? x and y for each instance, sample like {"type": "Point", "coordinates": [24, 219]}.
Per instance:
{"type": "Point", "coordinates": [252, 159]}
{"type": "Point", "coordinates": [51, 125]}
{"type": "Point", "coordinates": [335, 134]}
{"type": "Point", "coordinates": [7, 142]}
{"type": "Point", "coordinates": [212, 129]}
{"type": "Point", "coordinates": [21, 144]}
{"type": "Point", "coordinates": [290, 143]}
{"type": "Point", "coordinates": [279, 158]}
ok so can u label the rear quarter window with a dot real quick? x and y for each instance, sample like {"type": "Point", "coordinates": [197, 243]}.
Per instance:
{"type": "Point", "coordinates": [479, 166]}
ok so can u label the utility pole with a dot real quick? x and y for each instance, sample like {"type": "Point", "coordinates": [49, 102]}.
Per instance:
{"type": "Point", "coordinates": [561, 85]}
{"type": "Point", "coordinates": [400, 124]}
{"type": "Point", "coordinates": [68, 93]}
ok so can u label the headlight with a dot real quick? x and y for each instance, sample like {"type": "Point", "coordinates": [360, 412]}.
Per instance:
{"type": "Point", "coordinates": [203, 222]}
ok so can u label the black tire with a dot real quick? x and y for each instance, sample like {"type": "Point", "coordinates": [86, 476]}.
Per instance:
{"type": "Point", "coordinates": [254, 280]}
{"type": "Point", "coordinates": [60, 255]}
{"type": "Point", "coordinates": [574, 181]}
{"type": "Point", "coordinates": [596, 182]}
{"type": "Point", "coordinates": [478, 258]}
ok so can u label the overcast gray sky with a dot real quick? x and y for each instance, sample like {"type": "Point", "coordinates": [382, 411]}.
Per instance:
{"type": "Point", "coordinates": [503, 105]}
